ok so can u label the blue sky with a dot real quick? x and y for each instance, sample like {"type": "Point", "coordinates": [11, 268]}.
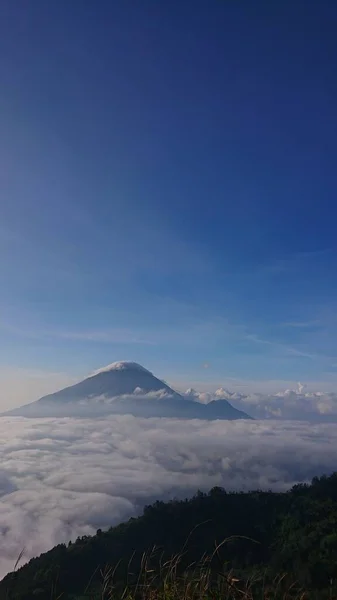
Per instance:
{"type": "Point", "coordinates": [168, 188]}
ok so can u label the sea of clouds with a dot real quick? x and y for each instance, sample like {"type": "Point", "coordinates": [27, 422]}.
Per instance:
{"type": "Point", "coordinates": [64, 477]}
{"type": "Point", "coordinates": [298, 403]}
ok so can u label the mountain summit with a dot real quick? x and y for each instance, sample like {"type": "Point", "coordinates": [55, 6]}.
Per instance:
{"type": "Point", "coordinates": [124, 388]}
{"type": "Point", "coordinates": [118, 379]}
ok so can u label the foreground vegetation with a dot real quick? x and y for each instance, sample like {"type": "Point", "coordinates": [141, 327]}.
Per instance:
{"type": "Point", "coordinates": [215, 545]}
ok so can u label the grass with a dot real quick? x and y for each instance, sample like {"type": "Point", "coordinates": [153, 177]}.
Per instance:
{"type": "Point", "coordinates": [199, 581]}
{"type": "Point", "coordinates": [157, 579]}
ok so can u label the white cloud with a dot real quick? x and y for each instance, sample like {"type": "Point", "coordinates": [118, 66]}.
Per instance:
{"type": "Point", "coordinates": [295, 404]}
{"type": "Point", "coordinates": [121, 365]}
{"type": "Point", "coordinates": [219, 394]}
{"type": "Point", "coordinates": [66, 477]}
{"type": "Point", "coordinates": [289, 404]}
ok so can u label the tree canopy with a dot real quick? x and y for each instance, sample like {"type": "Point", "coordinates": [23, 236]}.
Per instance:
{"type": "Point", "coordinates": [293, 532]}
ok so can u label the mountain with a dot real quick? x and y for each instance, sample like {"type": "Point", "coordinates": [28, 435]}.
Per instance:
{"type": "Point", "coordinates": [220, 407]}
{"type": "Point", "coordinates": [125, 388]}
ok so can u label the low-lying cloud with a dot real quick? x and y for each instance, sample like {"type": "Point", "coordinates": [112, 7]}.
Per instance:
{"type": "Point", "coordinates": [69, 476]}
{"type": "Point", "coordinates": [296, 404]}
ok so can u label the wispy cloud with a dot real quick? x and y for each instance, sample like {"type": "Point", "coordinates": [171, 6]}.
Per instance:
{"type": "Point", "coordinates": [123, 336]}
{"type": "Point", "coordinates": [303, 324]}
{"type": "Point", "coordinates": [192, 331]}
{"type": "Point", "coordinates": [284, 347]}
{"type": "Point", "coordinates": [108, 336]}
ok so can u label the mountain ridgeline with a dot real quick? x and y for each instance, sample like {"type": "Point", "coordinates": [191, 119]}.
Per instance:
{"type": "Point", "coordinates": [125, 388]}
{"type": "Point", "coordinates": [267, 535]}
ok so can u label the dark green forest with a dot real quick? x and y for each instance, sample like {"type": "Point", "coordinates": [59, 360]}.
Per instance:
{"type": "Point", "coordinates": [260, 533]}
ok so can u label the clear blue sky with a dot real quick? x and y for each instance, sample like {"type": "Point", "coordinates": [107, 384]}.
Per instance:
{"type": "Point", "coordinates": [168, 186]}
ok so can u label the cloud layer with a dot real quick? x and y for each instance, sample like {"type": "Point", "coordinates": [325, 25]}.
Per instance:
{"type": "Point", "coordinates": [291, 404]}
{"type": "Point", "coordinates": [66, 477]}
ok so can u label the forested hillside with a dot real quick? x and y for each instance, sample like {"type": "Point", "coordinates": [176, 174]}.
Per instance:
{"type": "Point", "coordinates": [269, 534]}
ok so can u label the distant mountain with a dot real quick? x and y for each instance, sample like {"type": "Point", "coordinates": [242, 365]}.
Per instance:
{"type": "Point", "coordinates": [125, 388]}
{"type": "Point", "coordinates": [217, 408]}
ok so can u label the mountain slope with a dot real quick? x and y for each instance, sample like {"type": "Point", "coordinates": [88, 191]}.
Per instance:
{"type": "Point", "coordinates": [125, 388]}
{"type": "Point", "coordinates": [268, 533]}
{"type": "Point", "coordinates": [117, 379]}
